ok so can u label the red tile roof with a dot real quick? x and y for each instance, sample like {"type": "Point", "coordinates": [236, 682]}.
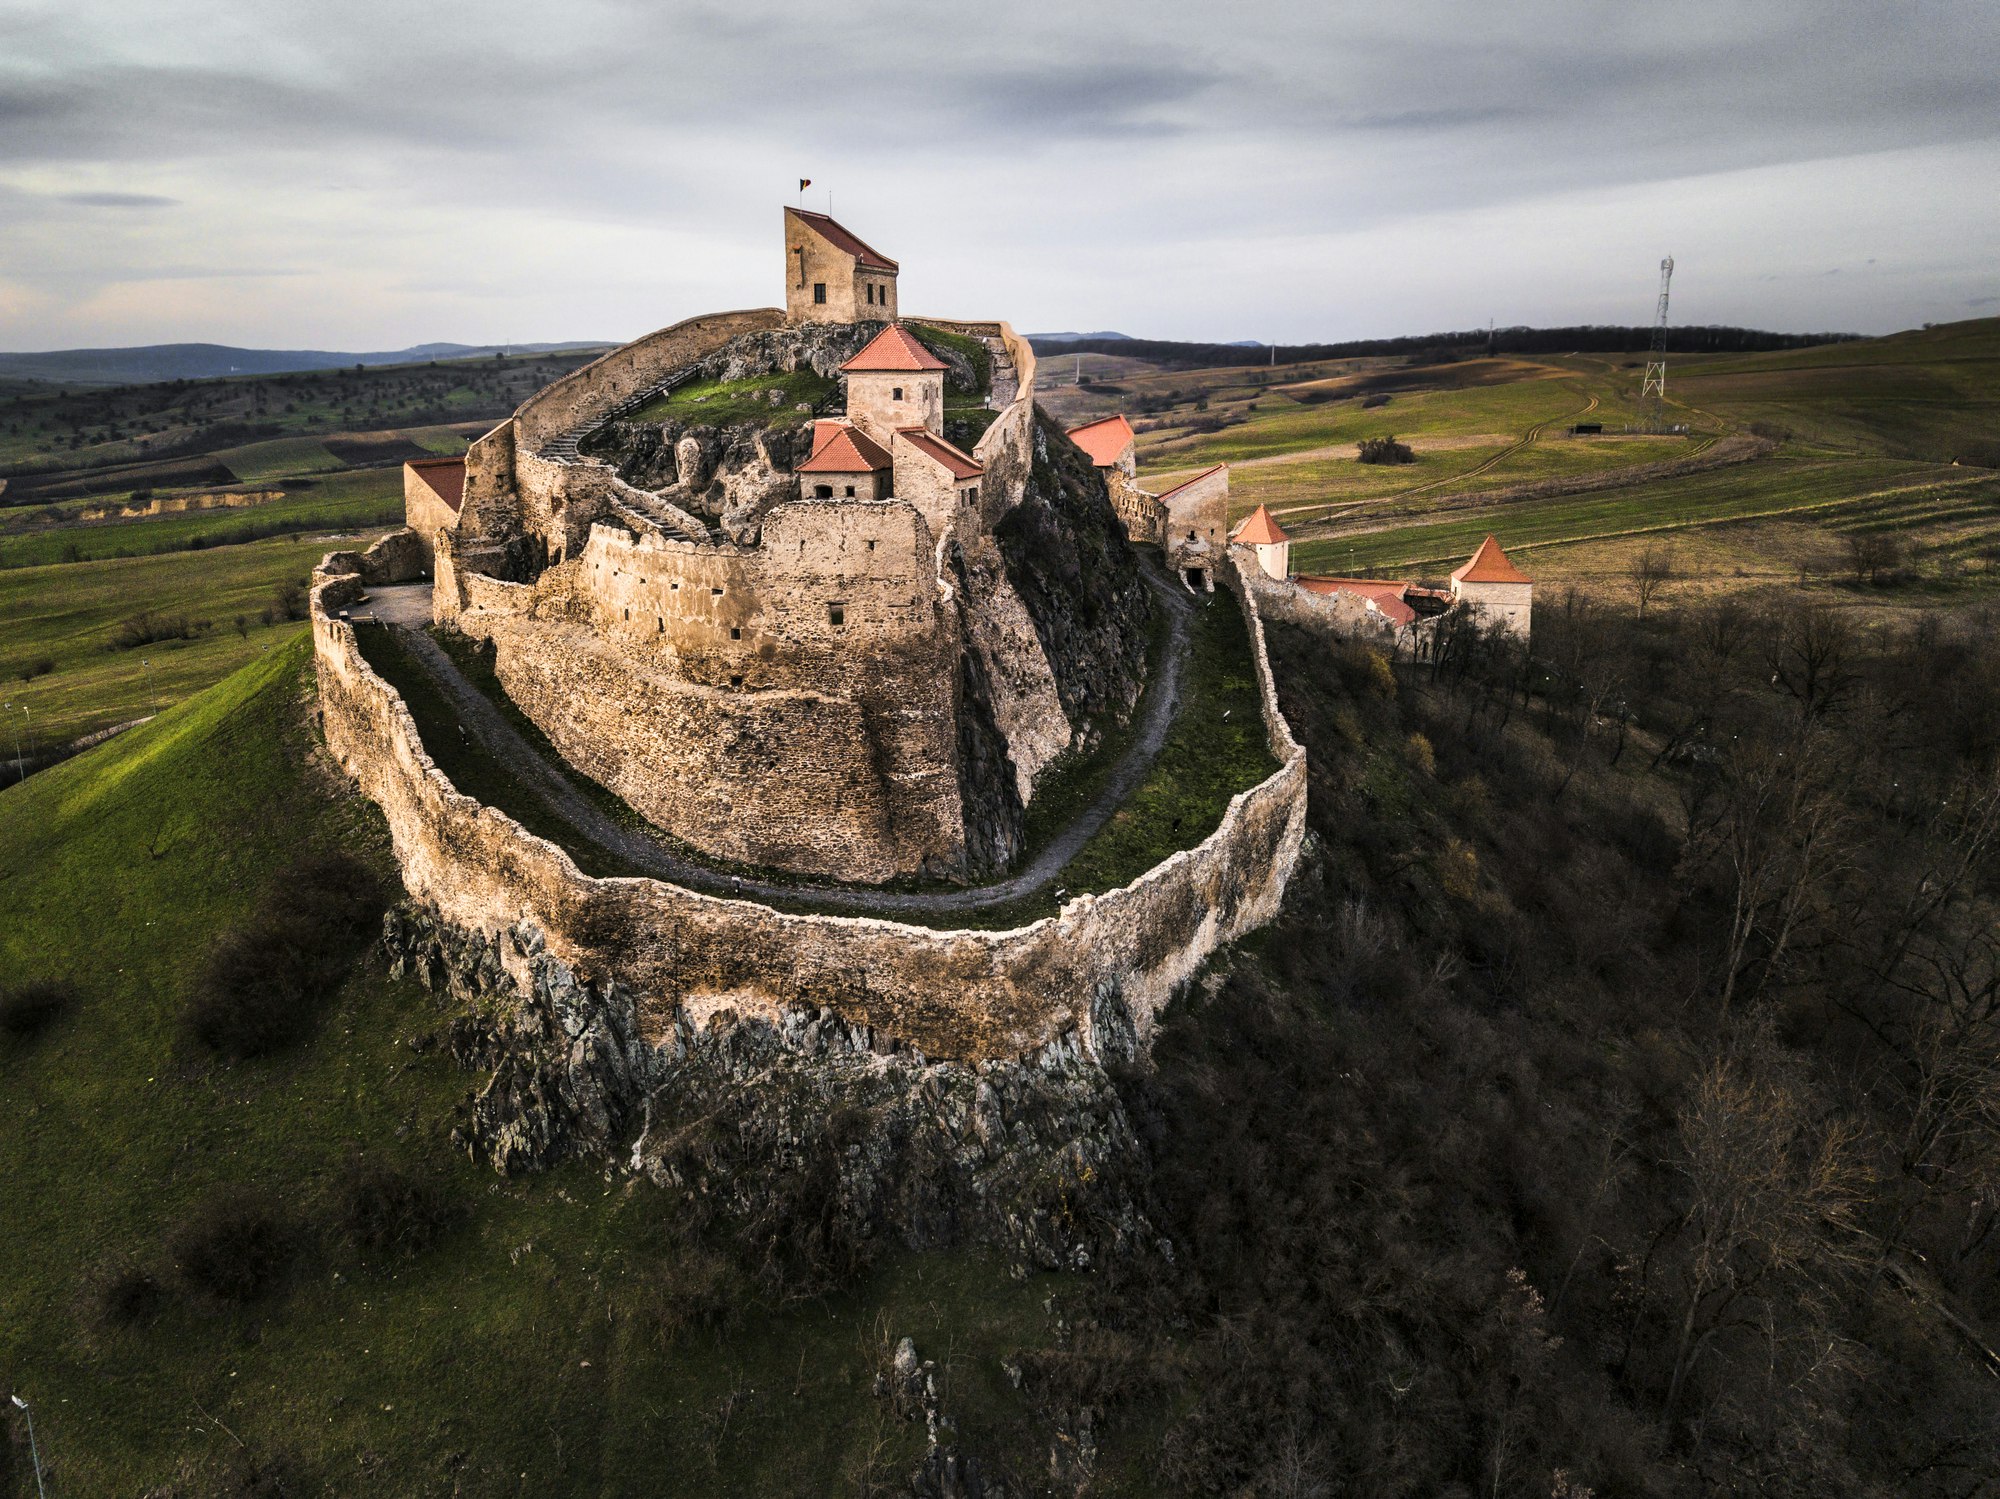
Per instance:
{"type": "Point", "coordinates": [895, 348]}
{"type": "Point", "coordinates": [1489, 565]}
{"type": "Point", "coordinates": [846, 241]}
{"type": "Point", "coordinates": [1385, 597]}
{"type": "Point", "coordinates": [843, 450]}
{"type": "Point", "coordinates": [1261, 530]}
{"type": "Point", "coordinates": [1105, 441]}
{"type": "Point", "coordinates": [444, 477]}
{"type": "Point", "coordinates": [1195, 480]}
{"type": "Point", "coordinates": [962, 465]}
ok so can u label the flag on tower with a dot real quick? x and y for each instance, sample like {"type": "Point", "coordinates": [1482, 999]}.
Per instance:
{"type": "Point", "coordinates": [804, 183]}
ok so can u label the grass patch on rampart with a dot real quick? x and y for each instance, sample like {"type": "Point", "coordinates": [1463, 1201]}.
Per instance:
{"type": "Point", "coordinates": [526, 1350]}
{"type": "Point", "coordinates": [730, 402]}
{"type": "Point", "coordinates": [940, 341]}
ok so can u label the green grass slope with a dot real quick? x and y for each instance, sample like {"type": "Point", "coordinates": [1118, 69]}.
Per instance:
{"type": "Point", "coordinates": [526, 1352]}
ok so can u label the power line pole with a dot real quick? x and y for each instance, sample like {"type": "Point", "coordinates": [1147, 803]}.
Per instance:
{"type": "Point", "coordinates": [1656, 362]}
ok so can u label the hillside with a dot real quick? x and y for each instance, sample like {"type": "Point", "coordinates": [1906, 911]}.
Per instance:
{"type": "Point", "coordinates": [151, 362]}
{"type": "Point", "coordinates": [1447, 1159]}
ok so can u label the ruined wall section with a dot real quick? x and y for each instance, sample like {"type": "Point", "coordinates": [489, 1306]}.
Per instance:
{"type": "Point", "coordinates": [519, 509]}
{"type": "Point", "coordinates": [1097, 972]}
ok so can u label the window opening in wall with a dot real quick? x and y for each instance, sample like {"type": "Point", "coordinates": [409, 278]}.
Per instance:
{"type": "Point", "coordinates": [628, 613]}
{"type": "Point", "coordinates": [735, 681]}
{"type": "Point", "coordinates": [836, 614]}
{"type": "Point", "coordinates": [819, 291]}
{"type": "Point", "coordinates": [715, 593]}
{"type": "Point", "coordinates": [871, 546]}
{"type": "Point", "coordinates": [663, 624]}
{"type": "Point", "coordinates": [735, 632]}
{"type": "Point", "coordinates": [896, 393]}
{"type": "Point", "coordinates": [822, 491]}
{"type": "Point", "coordinates": [850, 491]}
{"type": "Point", "coordinates": [1190, 536]}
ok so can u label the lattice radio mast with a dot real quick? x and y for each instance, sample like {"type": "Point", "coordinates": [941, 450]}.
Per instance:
{"type": "Point", "coordinates": [1656, 361]}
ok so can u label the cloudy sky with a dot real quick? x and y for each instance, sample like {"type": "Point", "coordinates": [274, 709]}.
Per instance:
{"type": "Point", "coordinates": [360, 174]}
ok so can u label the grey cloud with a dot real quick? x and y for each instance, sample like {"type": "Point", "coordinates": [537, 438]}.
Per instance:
{"type": "Point", "coordinates": [119, 200]}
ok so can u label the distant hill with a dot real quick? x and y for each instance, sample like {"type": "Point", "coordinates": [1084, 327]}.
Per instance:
{"type": "Point", "coordinates": [1038, 339]}
{"type": "Point", "coordinates": [152, 362]}
{"type": "Point", "coordinates": [1593, 338]}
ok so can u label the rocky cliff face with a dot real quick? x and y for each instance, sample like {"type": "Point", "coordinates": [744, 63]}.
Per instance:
{"type": "Point", "coordinates": [797, 1120]}
{"type": "Point", "coordinates": [1066, 556]}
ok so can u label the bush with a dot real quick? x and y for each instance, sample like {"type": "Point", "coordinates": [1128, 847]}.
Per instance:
{"type": "Point", "coordinates": [29, 1009]}
{"type": "Point", "coordinates": [128, 1296]}
{"type": "Point", "coordinates": [263, 984]}
{"type": "Point", "coordinates": [148, 627]}
{"type": "Point", "coordinates": [380, 1209]}
{"type": "Point", "coordinates": [288, 601]}
{"type": "Point", "coordinates": [1386, 450]}
{"type": "Point", "coordinates": [41, 666]}
{"type": "Point", "coordinates": [236, 1247]}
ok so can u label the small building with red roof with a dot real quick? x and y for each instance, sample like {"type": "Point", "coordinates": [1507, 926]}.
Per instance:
{"type": "Point", "coordinates": [832, 275]}
{"type": "Point", "coordinates": [846, 463]}
{"type": "Point", "coordinates": [939, 479]}
{"type": "Point", "coordinates": [433, 495]}
{"type": "Point", "coordinates": [1110, 442]}
{"type": "Point", "coordinates": [1263, 535]}
{"type": "Point", "coordinates": [895, 382]}
{"type": "Point", "coordinates": [1496, 592]}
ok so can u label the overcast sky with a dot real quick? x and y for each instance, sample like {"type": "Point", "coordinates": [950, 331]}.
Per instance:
{"type": "Point", "coordinates": [359, 174]}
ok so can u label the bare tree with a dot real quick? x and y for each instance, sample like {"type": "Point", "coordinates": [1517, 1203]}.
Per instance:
{"type": "Point", "coordinates": [1773, 1199]}
{"type": "Point", "coordinates": [1810, 652]}
{"type": "Point", "coordinates": [1779, 833]}
{"type": "Point", "coordinates": [1650, 572]}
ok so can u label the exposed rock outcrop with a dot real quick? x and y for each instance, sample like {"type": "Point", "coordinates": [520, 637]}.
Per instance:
{"type": "Point", "coordinates": [763, 1115]}
{"type": "Point", "coordinates": [1067, 558]}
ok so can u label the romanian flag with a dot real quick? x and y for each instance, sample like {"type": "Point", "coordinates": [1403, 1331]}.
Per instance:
{"type": "Point", "coordinates": [804, 183]}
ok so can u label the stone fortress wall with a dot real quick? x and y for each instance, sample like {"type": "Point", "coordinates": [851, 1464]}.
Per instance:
{"type": "Point", "coordinates": [1100, 968]}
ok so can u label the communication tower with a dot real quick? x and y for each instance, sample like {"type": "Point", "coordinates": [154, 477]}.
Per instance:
{"type": "Point", "coordinates": [1656, 361]}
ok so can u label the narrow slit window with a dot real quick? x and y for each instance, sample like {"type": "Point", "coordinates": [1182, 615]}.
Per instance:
{"type": "Point", "coordinates": [836, 614]}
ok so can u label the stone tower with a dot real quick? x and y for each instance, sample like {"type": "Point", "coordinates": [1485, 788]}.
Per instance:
{"type": "Point", "coordinates": [833, 276]}
{"type": "Point", "coordinates": [1499, 595]}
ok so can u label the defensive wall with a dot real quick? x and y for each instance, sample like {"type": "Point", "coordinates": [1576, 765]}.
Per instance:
{"type": "Point", "coordinates": [966, 995]}
{"type": "Point", "coordinates": [1344, 614]}
{"type": "Point", "coordinates": [509, 488]}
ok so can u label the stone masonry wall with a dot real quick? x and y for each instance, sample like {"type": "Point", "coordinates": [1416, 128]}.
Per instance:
{"type": "Point", "coordinates": [960, 995]}
{"type": "Point", "coordinates": [1195, 529]}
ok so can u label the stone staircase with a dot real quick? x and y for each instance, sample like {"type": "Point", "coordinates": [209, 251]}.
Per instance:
{"type": "Point", "coordinates": [563, 448]}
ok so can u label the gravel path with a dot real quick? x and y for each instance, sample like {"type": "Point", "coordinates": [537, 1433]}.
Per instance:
{"type": "Point", "coordinates": [406, 607]}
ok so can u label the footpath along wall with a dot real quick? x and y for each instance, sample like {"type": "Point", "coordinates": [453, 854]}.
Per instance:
{"type": "Point", "coordinates": [965, 996]}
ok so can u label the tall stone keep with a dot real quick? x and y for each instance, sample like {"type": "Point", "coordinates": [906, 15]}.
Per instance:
{"type": "Point", "coordinates": [834, 276]}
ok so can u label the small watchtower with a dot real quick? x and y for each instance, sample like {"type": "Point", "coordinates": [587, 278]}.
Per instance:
{"type": "Point", "coordinates": [1497, 593]}
{"type": "Point", "coordinates": [834, 276]}
{"type": "Point", "coordinates": [895, 383]}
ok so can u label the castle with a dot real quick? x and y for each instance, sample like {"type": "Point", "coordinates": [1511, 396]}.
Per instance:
{"type": "Point", "coordinates": [840, 639]}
